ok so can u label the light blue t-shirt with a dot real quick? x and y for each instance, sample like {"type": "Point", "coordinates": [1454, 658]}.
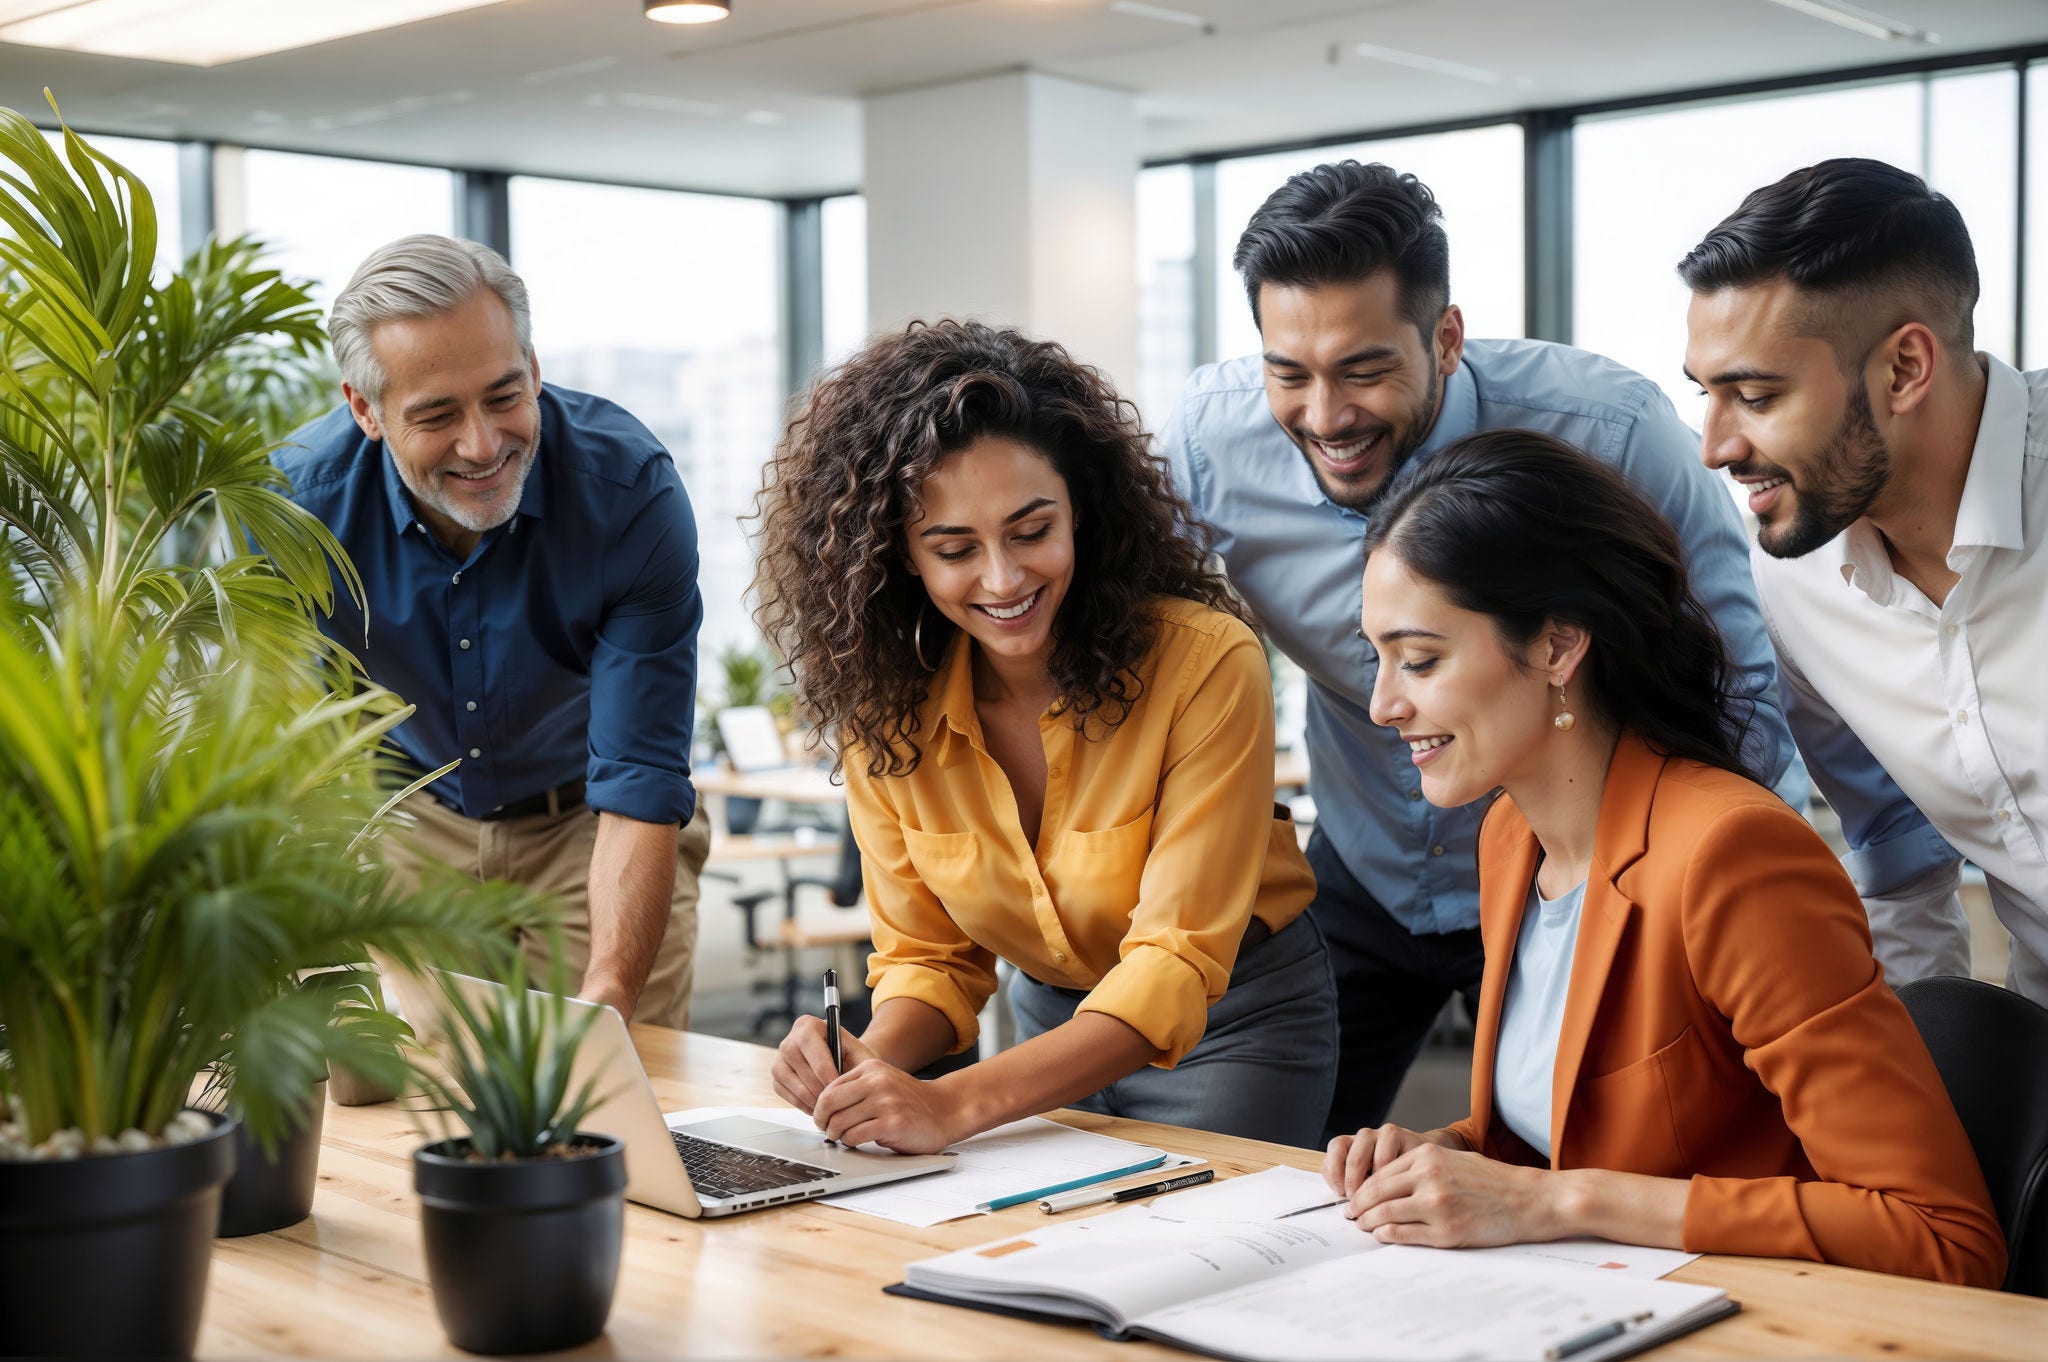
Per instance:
{"type": "Point", "coordinates": [1525, 1063]}
{"type": "Point", "coordinates": [1297, 557]}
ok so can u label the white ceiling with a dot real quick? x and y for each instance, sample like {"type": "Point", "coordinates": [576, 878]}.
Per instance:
{"type": "Point", "coordinates": [768, 102]}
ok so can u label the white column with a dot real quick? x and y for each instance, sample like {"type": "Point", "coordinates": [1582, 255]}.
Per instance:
{"type": "Point", "coordinates": [1010, 198]}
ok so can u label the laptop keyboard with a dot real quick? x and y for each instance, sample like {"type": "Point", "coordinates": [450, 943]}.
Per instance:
{"type": "Point", "coordinates": [719, 1170]}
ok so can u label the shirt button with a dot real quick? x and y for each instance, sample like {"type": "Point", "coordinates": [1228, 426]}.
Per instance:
{"type": "Point", "coordinates": [456, 580]}
{"type": "Point", "coordinates": [471, 706]}
{"type": "Point", "coordinates": [1054, 772]}
{"type": "Point", "coordinates": [2005, 815]}
{"type": "Point", "coordinates": [1060, 956]}
{"type": "Point", "coordinates": [1414, 794]}
{"type": "Point", "coordinates": [463, 644]}
{"type": "Point", "coordinates": [1436, 851]}
{"type": "Point", "coordinates": [1962, 716]}
{"type": "Point", "coordinates": [1949, 629]}
{"type": "Point", "coordinates": [476, 751]}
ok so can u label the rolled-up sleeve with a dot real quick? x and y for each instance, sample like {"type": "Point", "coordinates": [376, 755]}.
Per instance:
{"type": "Point", "coordinates": [643, 665]}
{"type": "Point", "coordinates": [920, 952]}
{"type": "Point", "coordinates": [1212, 832]}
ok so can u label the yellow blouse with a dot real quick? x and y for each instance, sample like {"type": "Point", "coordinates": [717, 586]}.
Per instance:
{"type": "Point", "coordinates": [1159, 842]}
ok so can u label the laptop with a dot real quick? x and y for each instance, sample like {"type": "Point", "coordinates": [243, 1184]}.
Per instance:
{"type": "Point", "coordinates": [695, 1169]}
{"type": "Point", "coordinates": [753, 741]}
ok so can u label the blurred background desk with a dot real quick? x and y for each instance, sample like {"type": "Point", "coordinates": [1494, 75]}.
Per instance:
{"type": "Point", "coordinates": [806, 1280]}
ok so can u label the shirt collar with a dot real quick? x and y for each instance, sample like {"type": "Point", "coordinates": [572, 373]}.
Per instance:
{"type": "Point", "coordinates": [1988, 515]}
{"type": "Point", "coordinates": [951, 701]}
{"type": "Point", "coordinates": [1456, 418]}
{"type": "Point", "coordinates": [532, 497]}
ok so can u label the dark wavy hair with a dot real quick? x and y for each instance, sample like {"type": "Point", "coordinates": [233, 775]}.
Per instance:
{"type": "Point", "coordinates": [836, 596]}
{"type": "Point", "coordinates": [1526, 529]}
{"type": "Point", "coordinates": [1342, 222]}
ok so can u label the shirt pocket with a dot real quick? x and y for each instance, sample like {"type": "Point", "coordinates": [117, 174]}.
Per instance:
{"type": "Point", "coordinates": [1094, 876]}
{"type": "Point", "coordinates": [946, 862]}
{"type": "Point", "coordinates": [1629, 1115]}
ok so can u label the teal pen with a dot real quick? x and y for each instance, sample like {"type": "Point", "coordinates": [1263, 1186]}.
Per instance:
{"type": "Point", "coordinates": [1020, 1198]}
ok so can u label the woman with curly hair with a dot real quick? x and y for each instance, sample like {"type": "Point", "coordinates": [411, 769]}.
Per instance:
{"type": "Point", "coordinates": [1057, 736]}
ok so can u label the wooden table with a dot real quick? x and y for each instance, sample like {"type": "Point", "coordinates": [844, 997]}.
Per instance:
{"type": "Point", "coordinates": [805, 1280]}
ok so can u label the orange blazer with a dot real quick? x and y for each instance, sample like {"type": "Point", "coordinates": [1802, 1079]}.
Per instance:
{"type": "Point", "coordinates": [1726, 1023]}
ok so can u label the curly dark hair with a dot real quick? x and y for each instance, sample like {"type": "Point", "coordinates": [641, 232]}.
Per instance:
{"type": "Point", "coordinates": [836, 597]}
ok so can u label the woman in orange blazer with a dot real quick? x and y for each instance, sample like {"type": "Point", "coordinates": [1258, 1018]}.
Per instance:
{"type": "Point", "coordinates": [1683, 1039]}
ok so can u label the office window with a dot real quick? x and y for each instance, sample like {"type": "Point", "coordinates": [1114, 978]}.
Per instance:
{"type": "Point", "coordinates": [1476, 175]}
{"type": "Point", "coordinates": [156, 165]}
{"type": "Point", "coordinates": [323, 214]}
{"type": "Point", "coordinates": [2036, 348]}
{"type": "Point", "coordinates": [666, 304]}
{"type": "Point", "coordinates": [1166, 289]}
{"type": "Point", "coordinates": [1649, 186]}
{"type": "Point", "coordinates": [844, 271]}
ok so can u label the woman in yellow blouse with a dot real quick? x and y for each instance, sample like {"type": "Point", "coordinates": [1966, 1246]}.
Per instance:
{"type": "Point", "coordinates": [1057, 738]}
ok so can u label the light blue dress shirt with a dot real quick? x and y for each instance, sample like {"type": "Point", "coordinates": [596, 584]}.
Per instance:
{"type": "Point", "coordinates": [1532, 1014]}
{"type": "Point", "coordinates": [1297, 557]}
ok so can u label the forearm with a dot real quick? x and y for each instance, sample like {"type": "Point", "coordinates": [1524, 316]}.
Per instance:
{"type": "Point", "coordinates": [632, 880]}
{"type": "Point", "coordinates": [1627, 1208]}
{"type": "Point", "coordinates": [1073, 1060]}
{"type": "Point", "coordinates": [909, 1034]}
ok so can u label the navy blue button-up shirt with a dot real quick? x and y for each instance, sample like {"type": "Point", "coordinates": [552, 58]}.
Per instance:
{"type": "Point", "coordinates": [563, 645]}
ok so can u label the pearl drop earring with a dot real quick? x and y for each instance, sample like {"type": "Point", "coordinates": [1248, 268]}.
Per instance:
{"type": "Point", "coordinates": [1565, 718]}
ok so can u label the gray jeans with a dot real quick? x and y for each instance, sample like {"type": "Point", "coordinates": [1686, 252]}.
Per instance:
{"type": "Point", "coordinates": [1266, 1064]}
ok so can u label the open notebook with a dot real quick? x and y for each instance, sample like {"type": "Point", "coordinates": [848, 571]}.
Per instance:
{"type": "Point", "coordinates": [1307, 1288]}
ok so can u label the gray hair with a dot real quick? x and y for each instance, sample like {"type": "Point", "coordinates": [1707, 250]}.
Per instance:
{"type": "Point", "coordinates": [417, 276]}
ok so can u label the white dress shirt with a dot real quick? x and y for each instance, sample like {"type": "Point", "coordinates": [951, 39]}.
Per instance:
{"type": "Point", "coordinates": [1901, 704]}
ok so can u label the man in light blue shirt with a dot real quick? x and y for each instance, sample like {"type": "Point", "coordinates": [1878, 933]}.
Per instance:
{"type": "Point", "coordinates": [1366, 372]}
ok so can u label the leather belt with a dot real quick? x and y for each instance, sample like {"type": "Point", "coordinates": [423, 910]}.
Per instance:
{"type": "Point", "coordinates": [568, 795]}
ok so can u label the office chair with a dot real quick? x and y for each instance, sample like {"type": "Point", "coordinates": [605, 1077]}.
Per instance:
{"type": "Point", "coordinates": [842, 889]}
{"type": "Point", "coordinates": [1991, 1047]}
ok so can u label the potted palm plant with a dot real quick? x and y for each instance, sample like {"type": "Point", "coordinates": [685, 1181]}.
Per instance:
{"type": "Point", "coordinates": [523, 1215]}
{"type": "Point", "coordinates": [191, 776]}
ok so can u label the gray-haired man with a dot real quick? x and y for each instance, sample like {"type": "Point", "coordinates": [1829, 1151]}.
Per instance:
{"type": "Point", "coordinates": [530, 565]}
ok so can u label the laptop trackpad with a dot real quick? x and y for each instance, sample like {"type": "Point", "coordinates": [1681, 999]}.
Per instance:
{"type": "Point", "coordinates": [802, 1146]}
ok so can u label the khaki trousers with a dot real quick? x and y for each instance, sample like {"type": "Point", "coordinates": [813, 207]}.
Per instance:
{"type": "Point", "coordinates": [550, 853]}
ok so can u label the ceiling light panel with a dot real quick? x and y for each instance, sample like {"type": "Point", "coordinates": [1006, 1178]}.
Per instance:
{"type": "Point", "coordinates": [208, 32]}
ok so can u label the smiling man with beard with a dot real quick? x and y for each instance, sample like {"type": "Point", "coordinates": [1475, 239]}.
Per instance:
{"type": "Point", "coordinates": [1366, 372]}
{"type": "Point", "coordinates": [529, 565]}
{"type": "Point", "coordinates": [1901, 482]}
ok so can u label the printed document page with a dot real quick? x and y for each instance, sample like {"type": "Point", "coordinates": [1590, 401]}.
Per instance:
{"type": "Point", "coordinates": [1427, 1305]}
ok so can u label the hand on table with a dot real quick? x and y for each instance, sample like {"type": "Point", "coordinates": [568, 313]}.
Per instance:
{"type": "Point", "coordinates": [1351, 1159]}
{"type": "Point", "coordinates": [803, 1062]}
{"type": "Point", "coordinates": [1446, 1198]}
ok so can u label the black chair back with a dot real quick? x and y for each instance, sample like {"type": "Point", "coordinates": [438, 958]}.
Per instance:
{"type": "Point", "coordinates": [846, 886]}
{"type": "Point", "coordinates": [1991, 1047]}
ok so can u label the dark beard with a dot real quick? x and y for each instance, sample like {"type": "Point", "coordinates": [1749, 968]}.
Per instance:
{"type": "Point", "coordinates": [1418, 431]}
{"type": "Point", "coordinates": [1847, 475]}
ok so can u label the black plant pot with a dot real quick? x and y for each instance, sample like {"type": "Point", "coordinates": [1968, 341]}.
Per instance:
{"type": "Point", "coordinates": [107, 1256]}
{"type": "Point", "coordinates": [270, 1193]}
{"type": "Point", "coordinates": [523, 1256]}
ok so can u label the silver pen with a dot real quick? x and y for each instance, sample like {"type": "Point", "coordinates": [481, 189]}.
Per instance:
{"type": "Point", "coordinates": [1593, 1337]}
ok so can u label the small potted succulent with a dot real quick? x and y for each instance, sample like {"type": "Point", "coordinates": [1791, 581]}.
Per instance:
{"type": "Point", "coordinates": [523, 1216]}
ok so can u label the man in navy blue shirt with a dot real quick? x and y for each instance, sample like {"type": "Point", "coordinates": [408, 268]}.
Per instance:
{"type": "Point", "coordinates": [529, 562]}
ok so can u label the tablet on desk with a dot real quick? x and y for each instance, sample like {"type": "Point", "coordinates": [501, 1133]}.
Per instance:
{"type": "Point", "coordinates": [753, 741]}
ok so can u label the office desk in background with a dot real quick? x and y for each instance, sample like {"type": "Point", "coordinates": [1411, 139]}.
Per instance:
{"type": "Point", "coordinates": [805, 1280]}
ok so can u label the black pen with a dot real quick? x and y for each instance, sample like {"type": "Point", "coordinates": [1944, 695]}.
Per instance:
{"type": "Point", "coordinates": [1592, 1337]}
{"type": "Point", "coordinates": [1097, 1196]}
{"type": "Point", "coordinates": [832, 1019]}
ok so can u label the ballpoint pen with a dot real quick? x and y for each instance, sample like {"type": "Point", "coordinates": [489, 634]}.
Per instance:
{"type": "Point", "coordinates": [1588, 1338]}
{"type": "Point", "coordinates": [1319, 1206]}
{"type": "Point", "coordinates": [832, 1019]}
{"type": "Point", "coordinates": [1096, 1196]}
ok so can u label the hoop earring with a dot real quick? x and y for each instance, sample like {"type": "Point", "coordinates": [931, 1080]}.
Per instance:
{"type": "Point", "coordinates": [917, 640]}
{"type": "Point", "coordinates": [1565, 718]}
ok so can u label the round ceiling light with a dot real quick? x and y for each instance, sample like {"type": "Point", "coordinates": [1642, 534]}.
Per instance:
{"type": "Point", "coordinates": [687, 11]}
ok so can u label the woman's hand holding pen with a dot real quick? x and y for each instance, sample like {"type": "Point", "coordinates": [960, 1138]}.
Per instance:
{"type": "Point", "coordinates": [803, 1062]}
{"type": "Point", "coordinates": [876, 1102]}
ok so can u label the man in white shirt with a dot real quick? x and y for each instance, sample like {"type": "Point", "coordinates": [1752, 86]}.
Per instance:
{"type": "Point", "coordinates": [1901, 482]}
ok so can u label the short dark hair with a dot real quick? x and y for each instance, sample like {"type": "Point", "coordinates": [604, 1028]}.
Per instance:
{"type": "Point", "coordinates": [1343, 222]}
{"type": "Point", "coordinates": [1854, 231]}
{"type": "Point", "coordinates": [1524, 528]}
